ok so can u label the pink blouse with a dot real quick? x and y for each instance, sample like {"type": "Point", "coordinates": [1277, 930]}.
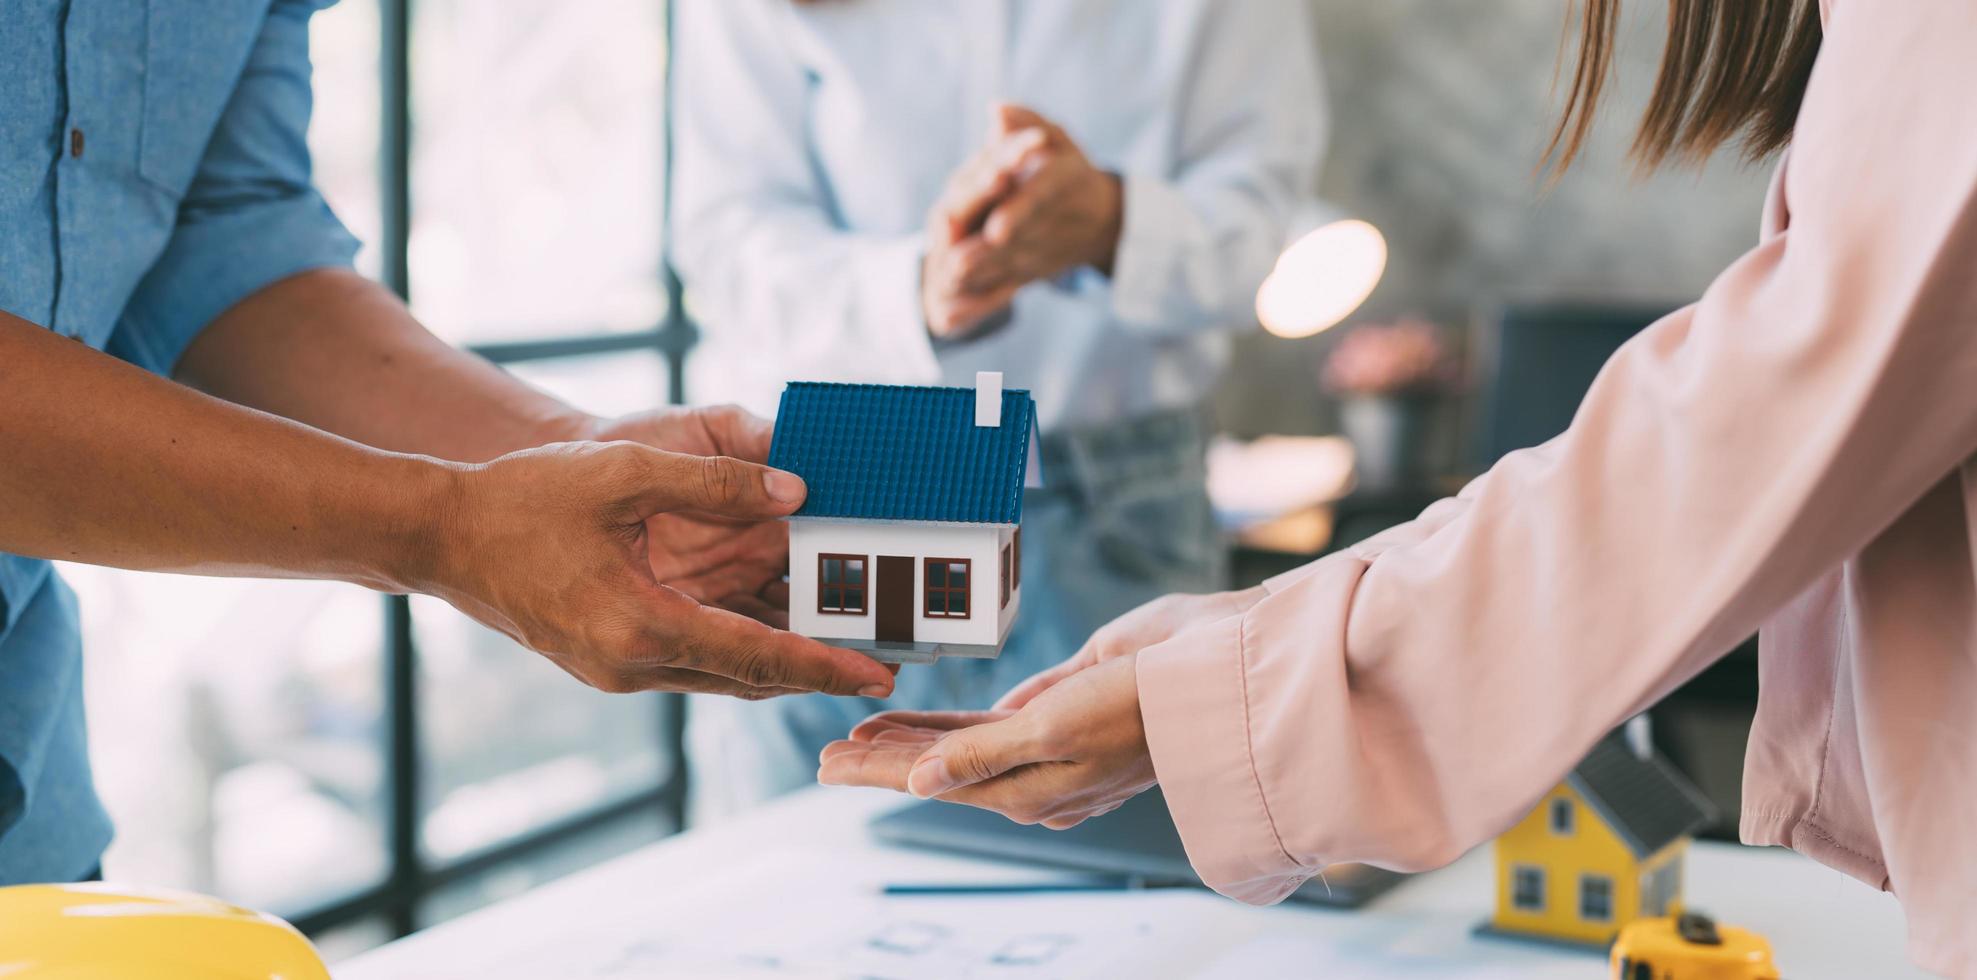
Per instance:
{"type": "Point", "coordinates": [1797, 451]}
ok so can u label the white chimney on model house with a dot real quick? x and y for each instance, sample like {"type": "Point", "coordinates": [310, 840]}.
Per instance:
{"type": "Point", "coordinates": [988, 399]}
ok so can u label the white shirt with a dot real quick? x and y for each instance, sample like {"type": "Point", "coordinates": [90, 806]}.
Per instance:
{"type": "Point", "coordinates": [812, 139]}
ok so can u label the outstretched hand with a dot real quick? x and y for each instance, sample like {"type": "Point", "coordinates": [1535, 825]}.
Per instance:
{"type": "Point", "coordinates": [1076, 751]}
{"type": "Point", "coordinates": [554, 547]}
{"type": "Point", "coordinates": [1064, 746]}
{"type": "Point", "coordinates": [1151, 623]}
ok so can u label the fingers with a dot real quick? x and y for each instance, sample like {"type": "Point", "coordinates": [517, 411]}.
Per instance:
{"type": "Point", "coordinates": [985, 180]}
{"type": "Point", "coordinates": [866, 764]}
{"type": "Point", "coordinates": [776, 593]}
{"type": "Point", "coordinates": [735, 431]}
{"type": "Point", "coordinates": [978, 267]}
{"type": "Point", "coordinates": [1020, 208]}
{"type": "Point", "coordinates": [972, 755]}
{"type": "Point", "coordinates": [754, 608]}
{"type": "Point", "coordinates": [720, 485]}
{"type": "Point", "coordinates": [1044, 680]}
{"type": "Point", "coordinates": [1008, 117]}
{"type": "Point", "coordinates": [694, 682]}
{"type": "Point", "coordinates": [727, 644]}
{"type": "Point", "coordinates": [920, 720]}
{"type": "Point", "coordinates": [957, 314]}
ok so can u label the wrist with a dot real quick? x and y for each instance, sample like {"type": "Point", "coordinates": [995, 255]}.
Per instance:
{"type": "Point", "coordinates": [420, 506]}
{"type": "Point", "coordinates": [567, 425]}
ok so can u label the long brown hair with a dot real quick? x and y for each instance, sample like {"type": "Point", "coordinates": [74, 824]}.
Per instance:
{"type": "Point", "coordinates": [1733, 70]}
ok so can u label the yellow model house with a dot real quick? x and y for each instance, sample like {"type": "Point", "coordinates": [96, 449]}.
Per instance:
{"type": "Point", "coordinates": [1602, 849]}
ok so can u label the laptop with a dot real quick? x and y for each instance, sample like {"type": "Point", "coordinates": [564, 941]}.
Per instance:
{"type": "Point", "coordinates": [1138, 841]}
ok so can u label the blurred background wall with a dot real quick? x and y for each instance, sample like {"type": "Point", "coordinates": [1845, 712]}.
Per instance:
{"type": "Point", "coordinates": [1439, 111]}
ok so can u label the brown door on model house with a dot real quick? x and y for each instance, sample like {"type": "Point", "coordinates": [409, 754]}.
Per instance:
{"type": "Point", "coordinates": [895, 612]}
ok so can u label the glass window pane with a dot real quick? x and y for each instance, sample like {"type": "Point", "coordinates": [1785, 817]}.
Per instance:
{"type": "Point", "coordinates": [936, 603]}
{"type": "Point", "coordinates": [833, 598]}
{"type": "Point", "coordinates": [957, 576]}
{"type": "Point", "coordinates": [855, 572]}
{"type": "Point", "coordinates": [854, 600]}
{"type": "Point", "coordinates": [344, 126]}
{"type": "Point", "coordinates": [234, 731]}
{"type": "Point", "coordinates": [513, 742]}
{"type": "Point", "coordinates": [957, 603]}
{"type": "Point", "coordinates": [833, 570]}
{"type": "Point", "coordinates": [536, 167]}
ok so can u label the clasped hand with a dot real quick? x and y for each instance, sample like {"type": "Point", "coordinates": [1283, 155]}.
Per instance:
{"type": "Point", "coordinates": [1029, 206]}
{"type": "Point", "coordinates": [1062, 747]}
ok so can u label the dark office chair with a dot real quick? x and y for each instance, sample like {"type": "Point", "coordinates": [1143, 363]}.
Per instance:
{"type": "Point", "coordinates": [1535, 363]}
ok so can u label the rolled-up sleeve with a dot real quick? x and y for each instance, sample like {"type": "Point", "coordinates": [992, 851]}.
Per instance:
{"type": "Point", "coordinates": [1399, 704]}
{"type": "Point", "coordinates": [251, 217]}
{"type": "Point", "coordinates": [1195, 244]}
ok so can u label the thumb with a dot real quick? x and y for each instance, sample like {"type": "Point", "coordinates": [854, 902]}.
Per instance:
{"type": "Point", "coordinates": [1007, 117]}
{"type": "Point", "coordinates": [971, 755]}
{"type": "Point", "coordinates": [720, 486]}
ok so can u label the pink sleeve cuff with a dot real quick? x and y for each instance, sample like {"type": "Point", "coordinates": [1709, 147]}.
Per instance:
{"type": "Point", "coordinates": [1195, 706]}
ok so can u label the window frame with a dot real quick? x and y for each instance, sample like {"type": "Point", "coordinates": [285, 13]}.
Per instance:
{"type": "Point", "coordinates": [1016, 559]}
{"type": "Point", "coordinates": [1006, 566]}
{"type": "Point", "coordinates": [1605, 882]}
{"type": "Point", "coordinates": [863, 588]}
{"type": "Point", "coordinates": [1562, 806]}
{"type": "Point", "coordinates": [946, 590]}
{"type": "Point", "coordinates": [1517, 878]}
{"type": "Point", "coordinates": [412, 878]}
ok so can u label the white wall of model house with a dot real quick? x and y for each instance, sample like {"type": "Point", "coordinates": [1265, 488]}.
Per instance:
{"type": "Point", "coordinates": [981, 544]}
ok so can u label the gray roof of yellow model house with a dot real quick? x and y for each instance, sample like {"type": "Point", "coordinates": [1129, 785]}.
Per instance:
{"type": "Point", "coordinates": [1642, 798]}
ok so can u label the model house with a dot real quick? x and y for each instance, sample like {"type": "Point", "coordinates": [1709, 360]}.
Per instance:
{"type": "Point", "coordinates": [1602, 849]}
{"type": "Point", "coordinates": [909, 545]}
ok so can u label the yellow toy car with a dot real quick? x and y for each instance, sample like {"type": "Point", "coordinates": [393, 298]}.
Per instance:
{"type": "Point", "coordinates": [1690, 947]}
{"type": "Point", "coordinates": [107, 932]}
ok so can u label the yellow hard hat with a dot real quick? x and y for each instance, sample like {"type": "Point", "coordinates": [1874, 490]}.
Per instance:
{"type": "Point", "coordinates": [100, 932]}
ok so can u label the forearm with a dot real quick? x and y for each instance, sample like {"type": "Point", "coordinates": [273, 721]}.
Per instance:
{"type": "Point", "coordinates": [110, 465]}
{"type": "Point", "coordinates": [1722, 463]}
{"type": "Point", "coordinates": [333, 350]}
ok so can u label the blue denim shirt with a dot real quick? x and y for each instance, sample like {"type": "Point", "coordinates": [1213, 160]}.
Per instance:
{"type": "Point", "coordinates": [153, 172]}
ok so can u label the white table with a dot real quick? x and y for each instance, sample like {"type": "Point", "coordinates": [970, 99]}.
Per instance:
{"type": "Point", "coordinates": [792, 891]}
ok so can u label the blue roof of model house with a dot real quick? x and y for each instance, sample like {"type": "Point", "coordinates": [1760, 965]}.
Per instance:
{"type": "Point", "coordinates": [895, 453]}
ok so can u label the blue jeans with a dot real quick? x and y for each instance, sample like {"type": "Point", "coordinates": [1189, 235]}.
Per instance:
{"type": "Point", "coordinates": [1123, 519]}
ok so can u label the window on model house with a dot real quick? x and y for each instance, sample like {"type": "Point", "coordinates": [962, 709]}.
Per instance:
{"type": "Point", "coordinates": [1527, 888]}
{"type": "Point", "coordinates": [841, 584]}
{"type": "Point", "coordinates": [1016, 560]}
{"type": "Point", "coordinates": [1659, 887]}
{"type": "Point", "coordinates": [1595, 898]}
{"type": "Point", "coordinates": [1006, 566]}
{"type": "Point", "coordinates": [947, 588]}
{"type": "Point", "coordinates": [1561, 817]}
